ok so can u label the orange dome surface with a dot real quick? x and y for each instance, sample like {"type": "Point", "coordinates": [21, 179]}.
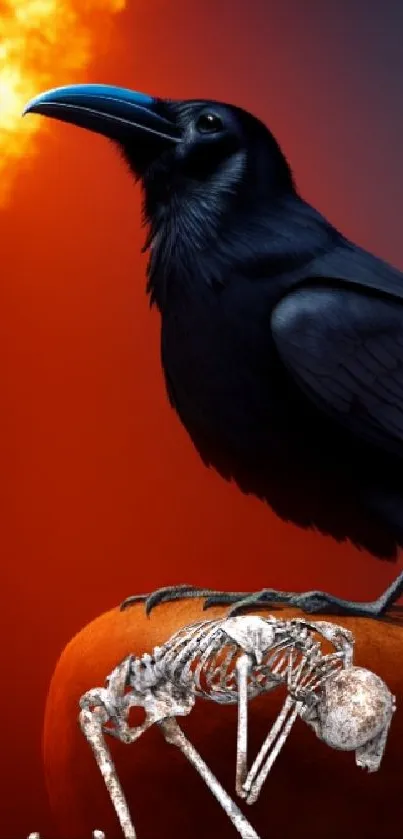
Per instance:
{"type": "Point", "coordinates": [312, 791]}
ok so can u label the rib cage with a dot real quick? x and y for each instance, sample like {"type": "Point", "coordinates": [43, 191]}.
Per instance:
{"type": "Point", "coordinates": [202, 658]}
{"type": "Point", "coordinates": [231, 661]}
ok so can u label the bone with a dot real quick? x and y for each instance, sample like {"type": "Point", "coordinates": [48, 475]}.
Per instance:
{"type": "Point", "coordinates": [181, 652]}
{"type": "Point", "coordinates": [328, 668]}
{"type": "Point", "coordinates": [174, 735]}
{"type": "Point", "coordinates": [218, 672]}
{"type": "Point", "coordinates": [253, 634]}
{"type": "Point", "coordinates": [212, 647]}
{"type": "Point", "coordinates": [242, 667]}
{"type": "Point", "coordinates": [231, 661]}
{"type": "Point", "coordinates": [279, 659]}
{"type": "Point", "coordinates": [287, 721]}
{"type": "Point", "coordinates": [370, 756]}
{"type": "Point", "coordinates": [184, 641]}
{"type": "Point", "coordinates": [91, 723]}
{"type": "Point", "coordinates": [274, 732]}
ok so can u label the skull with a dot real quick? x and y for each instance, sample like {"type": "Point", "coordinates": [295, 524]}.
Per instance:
{"type": "Point", "coordinates": [355, 707]}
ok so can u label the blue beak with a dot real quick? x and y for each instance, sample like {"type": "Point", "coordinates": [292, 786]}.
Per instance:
{"type": "Point", "coordinates": [119, 114]}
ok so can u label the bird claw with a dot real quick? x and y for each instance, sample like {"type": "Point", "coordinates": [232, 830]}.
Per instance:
{"type": "Point", "coordinates": [242, 601]}
{"type": "Point", "coordinates": [226, 598]}
{"type": "Point", "coordinates": [167, 594]}
{"type": "Point", "coordinates": [130, 601]}
{"type": "Point", "coordinates": [315, 602]}
{"type": "Point", "coordinates": [318, 602]}
{"type": "Point", "coordinates": [310, 602]}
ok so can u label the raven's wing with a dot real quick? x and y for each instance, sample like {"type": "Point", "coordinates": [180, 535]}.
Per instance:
{"type": "Point", "coordinates": [354, 267]}
{"type": "Point", "coordinates": [340, 335]}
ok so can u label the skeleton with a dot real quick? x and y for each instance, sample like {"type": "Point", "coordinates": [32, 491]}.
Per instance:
{"type": "Point", "coordinates": [233, 660]}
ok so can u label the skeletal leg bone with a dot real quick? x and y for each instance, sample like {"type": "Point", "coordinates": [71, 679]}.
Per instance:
{"type": "Point", "coordinates": [173, 734]}
{"type": "Point", "coordinates": [277, 736]}
{"type": "Point", "coordinates": [91, 723]}
{"type": "Point", "coordinates": [272, 746]}
{"type": "Point", "coordinates": [242, 667]}
{"type": "Point", "coordinates": [101, 706]}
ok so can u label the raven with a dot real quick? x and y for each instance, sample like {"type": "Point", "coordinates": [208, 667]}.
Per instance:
{"type": "Point", "coordinates": [281, 340]}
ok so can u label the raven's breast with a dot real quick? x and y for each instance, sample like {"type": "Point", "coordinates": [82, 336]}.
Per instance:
{"type": "Point", "coordinates": [221, 369]}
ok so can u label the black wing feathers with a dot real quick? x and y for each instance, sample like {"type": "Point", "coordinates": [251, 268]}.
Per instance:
{"type": "Point", "coordinates": [343, 343]}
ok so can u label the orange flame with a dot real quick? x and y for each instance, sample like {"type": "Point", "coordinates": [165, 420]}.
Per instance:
{"type": "Point", "coordinates": [43, 43]}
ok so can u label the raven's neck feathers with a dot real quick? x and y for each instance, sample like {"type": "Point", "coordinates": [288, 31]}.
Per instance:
{"type": "Point", "coordinates": [204, 237]}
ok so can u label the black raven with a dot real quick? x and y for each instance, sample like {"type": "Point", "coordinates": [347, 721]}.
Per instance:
{"type": "Point", "coordinates": [281, 340]}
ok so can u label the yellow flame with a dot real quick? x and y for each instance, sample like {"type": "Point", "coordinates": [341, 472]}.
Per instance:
{"type": "Point", "coordinates": [43, 43]}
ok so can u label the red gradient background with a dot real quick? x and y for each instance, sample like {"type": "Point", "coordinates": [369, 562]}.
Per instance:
{"type": "Point", "coordinates": [101, 492]}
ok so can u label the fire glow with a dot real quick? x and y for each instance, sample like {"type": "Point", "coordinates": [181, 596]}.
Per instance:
{"type": "Point", "coordinates": [43, 43]}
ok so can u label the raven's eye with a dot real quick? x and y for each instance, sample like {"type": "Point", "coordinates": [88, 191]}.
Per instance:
{"type": "Point", "coordinates": [209, 123]}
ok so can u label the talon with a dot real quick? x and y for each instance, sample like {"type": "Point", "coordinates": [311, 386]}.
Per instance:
{"type": "Point", "coordinates": [311, 602]}
{"type": "Point", "coordinates": [130, 601]}
{"type": "Point", "coordinates": [169, 594]}
{"type": "Point", "coordinates": [166, 594]}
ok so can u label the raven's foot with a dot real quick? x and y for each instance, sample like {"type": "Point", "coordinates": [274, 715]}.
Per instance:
{"type": "Point", "coordinates": [311, 602]}
{"type": "Point", "coordinates": [168, 595]}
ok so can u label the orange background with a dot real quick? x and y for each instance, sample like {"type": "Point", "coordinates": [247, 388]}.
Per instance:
{"type": "Point", "coordinates": [101, 492]}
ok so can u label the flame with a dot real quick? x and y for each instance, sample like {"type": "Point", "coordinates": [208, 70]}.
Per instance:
{"type": "Point", "coordinates": [43, 43]}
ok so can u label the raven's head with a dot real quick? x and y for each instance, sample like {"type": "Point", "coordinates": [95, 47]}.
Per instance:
{"type": "Point", "coordinates": [200, 162]}
{"type": "Point", "coordinates": [194, 141]}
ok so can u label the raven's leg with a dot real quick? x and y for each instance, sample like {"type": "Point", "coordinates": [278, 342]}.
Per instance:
{"type": "Point", "coordinates": [312, 602]}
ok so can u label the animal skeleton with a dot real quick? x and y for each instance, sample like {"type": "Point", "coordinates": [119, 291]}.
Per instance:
{"type": "Point", "coordinates": [233, 660]}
